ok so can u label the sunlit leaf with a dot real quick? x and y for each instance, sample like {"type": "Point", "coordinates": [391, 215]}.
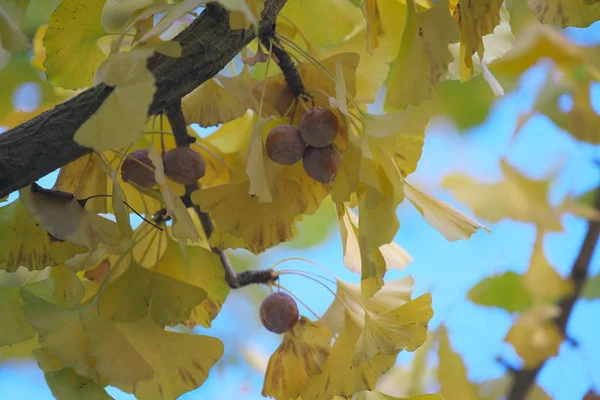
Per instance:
{"type": "Point", "coordinates": [84, 177]}
{"type": "Point", "coordinates": [580, 13]}
{"type": "Point", "coordinates": [210, 104]}
{"type": "Point", "coordinates": [507, 291]}
{"type": "Point", "coordinates": [72, 52]}
{"type": "Point", "coordinates": [15, 327]}
{"type": "Point", "coordinates": [452, 373]}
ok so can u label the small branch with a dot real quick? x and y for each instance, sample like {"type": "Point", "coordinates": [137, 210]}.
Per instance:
{"type": "Point", "coordinates": [524, 379]}
{"type": "Point", "coordinates": [174, 114]}
{"type": "Point", "coordinates": [285, 62]}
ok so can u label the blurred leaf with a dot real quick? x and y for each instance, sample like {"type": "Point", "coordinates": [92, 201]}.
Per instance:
{"type": "Point", "coordinates": [15, 327]}
{"type": "Point", "coordinates": [316, 228]}
{"type": "Point", "coordinates": [507, 291]}
{"type": "Point", "coordinates": [452, 374]}
{"type": "Point", "coordinates": [38, 13]}
{"type": "Point", "coordinates": [580, 13]}
{"type": "Point", "coordinates": [591, 290]}
{"type": "Point", "coordinates": [377, 395]}
{"type": "Point", "coordinates": [467, 103]}
{"type": "Point", "coordinates": [12, 38]}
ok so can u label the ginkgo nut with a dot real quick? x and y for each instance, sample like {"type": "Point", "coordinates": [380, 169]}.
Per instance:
{"type": "Point", "coordinates": [285, 145]}
{"type": "Point", "coordinates": [321, 163]}
{"type": "Point", "coordinates": [132, 169]}
{"type": "Point", "coordinates": [318, 127]}
{"type": "Point", "coordinates": [279, 312]}
{"type": "Point", "coordinates": [184, 165]}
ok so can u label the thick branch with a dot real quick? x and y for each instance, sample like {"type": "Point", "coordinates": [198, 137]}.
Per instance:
{"type": "Point", "coordinates": [45, 143]}
{"type": "Point", "coordinates": [524, 379]}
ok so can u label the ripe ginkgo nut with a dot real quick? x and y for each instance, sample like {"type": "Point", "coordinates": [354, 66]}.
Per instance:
{"type": "Point", "coordinates": [321, 163]}
{"type": "Point", "coordinates": [184, 165]}
{"type": "Point", "coordinates": [279, 312]}
{"type": "Point", "coordinates": [318, 127]}
{"type": "Point", "coordinates": [285, 145]}
{"type": "Point", "coordinates": [133, 170]}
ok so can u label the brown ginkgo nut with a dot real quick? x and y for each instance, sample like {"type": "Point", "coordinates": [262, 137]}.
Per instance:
{"type": "Point", "coordinates": [285, 145]}
{"type": "Point", "coordinates": [318, 127]}
{"type": "Point", "coordinates": [321, 163]}
{"type": "Point", "coordinates": [279, 312]}
{"type": "Point", "coordinates": [133, 170]}
{"type": "Point", "coordinates": [184, 165]}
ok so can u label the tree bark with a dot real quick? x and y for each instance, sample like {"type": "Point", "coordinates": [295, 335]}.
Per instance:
{"type": "Point", "coordinates": [39, 146]}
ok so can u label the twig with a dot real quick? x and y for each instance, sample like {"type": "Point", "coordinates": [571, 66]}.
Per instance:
{"type": "Point", "coordinates": [174, 114]}
{"type": "Point", "coordinates": [524, 378]}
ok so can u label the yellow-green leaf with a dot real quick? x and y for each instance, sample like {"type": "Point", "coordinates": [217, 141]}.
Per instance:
{"type": "Point", "coordinates": [12, 37]}
{"type": "Point", "coordinates": [72, 52]}
{"type": "Point", "coordinates": [210, 104]}
{"type": "Point", "coordinates": [423, 57]}
{"type": "Point", "coordinates": [591, 289]}
{"type": "Point", "coordinates": [451, 372]}
{"type": "Point", "coordinates": [377, 395]}
{"type": "Point", "coordinates": [507, 291]}
{"type": "Point", "coordinates": [66, 384]}
{"type": "Point", "coordinates": [24, 243]}
{"type": "Point", "coordinates": [15, 327]}
{"type": "Point", "coordinates": [579, 13]}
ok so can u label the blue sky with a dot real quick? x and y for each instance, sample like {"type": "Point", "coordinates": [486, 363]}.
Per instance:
{"type": "Point", "coordinates": [446, 269]}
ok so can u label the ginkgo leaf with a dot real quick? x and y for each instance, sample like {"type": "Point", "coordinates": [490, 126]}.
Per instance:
{"type": "Point", "coordinates": [210, 104]}
{"type": "Point", "coordinates": [72, 52]}
{"type": "Point", "coordinates": [579, 13]}
{"type": "Point", "coordinates": [121, 118]}
{"type": "Point", "coordinates": [66, 384]}
{"type": "Point", "coordinates": [180, 362]}
{"type": "Point", "coordinates": [348, 175]}
{"type": "Point", "coordinates": [65, 219]}
{"type": "Point", "coordinates": [312, 19]}
{"type": "Point", "coordinates": [139, 291]}
{"type": "Point", "coordinates": [516, 197]}
{"type": "Point", "coordinates": [15, 327]}
{"type": "Point", "coordinates": [202, 268]}
{"type": "Point", "coordinates": [120, 211]}
{"type": "Point", "coordinates": [374, 29]}
{"type": "Point", "coordinates": [507, 291]}
{"type": "Point", "coordinates": [591, 289]}
{"type": "Point", "coordinates": [394, 255]}
{"type": "Point", "coordinates": [404, 328]}
{"type": "Point", "coordinates": [423, 56]}
{"type": "Point", "coordinates": [535, 336]}
{"type": "Point", "coordinates": [12, 37]}
{"type": "Point", "coordinates": [475, 21]}
{"type": "Point", "coordinates": [38, 251]}
{"type": "Point", "coordinates": [116, 14]}
{"type": "Point", "coordinates": [449, 221]}
{"type": "Point", "coordinates": [554, 286]}
{"type": "Point", "coordinates": [84, 177]}
{"type": "Point", "coordinates": [451, 372]}
{"type": "Point", "coordinates": [255, 167]}
{"type": "Point", "coordinates": [339, 376]}
{"type": "Point", "coordinates": [300, 356]}
{"type": "Point", "coordinates": [377, 395]}
{"type": "Point", "coordinates": [68, 290]}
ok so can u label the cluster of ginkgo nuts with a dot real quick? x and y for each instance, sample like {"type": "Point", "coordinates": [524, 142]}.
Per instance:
{"type": "Point", "coordinates": [279, 312]}
{"type": "Point", "coordinates": [182, 165]}
{"type": "Point", "coordinates": [311, 141]}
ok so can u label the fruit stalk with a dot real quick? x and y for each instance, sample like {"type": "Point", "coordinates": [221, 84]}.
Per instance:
{"type": "Point", "coordinates": [283, 59]}
{"type": "Point", "coordinates": [174, 114]}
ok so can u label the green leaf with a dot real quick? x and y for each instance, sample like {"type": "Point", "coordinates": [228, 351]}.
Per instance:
{"type": "Point", "coordinates": [12, 37]}
{"type": "Point", "coordinates": [72, 54]}
{"type": "Point", "coordinates": [591, 289]}
{"type": "Point", "coordinates": [15, 327]}
{"type": "Point", "coordinates": [507, 291]}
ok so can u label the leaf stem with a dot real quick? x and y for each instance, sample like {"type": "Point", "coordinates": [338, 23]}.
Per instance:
{"type": "Point", "coordinates": [525, 378]}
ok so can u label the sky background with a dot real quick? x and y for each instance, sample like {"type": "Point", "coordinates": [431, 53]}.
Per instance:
{"type": "Point", "coordinates": [447, 270]}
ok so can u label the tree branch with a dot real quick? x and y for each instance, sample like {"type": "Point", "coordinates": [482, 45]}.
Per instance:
{"type": "Point", "coordinates": [524, 379]}
{"type": "Point", "coordinates": [39, 146]}
{"type": "Point", "coordinates": [176, 119]}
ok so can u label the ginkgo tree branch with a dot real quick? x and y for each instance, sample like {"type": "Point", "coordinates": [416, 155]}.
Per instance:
{"type": "Point", "coordinates": [41, 145]}
{"type": "Point", "coordinates": [524, 379]}
{"type": "Point", "coordinates": [174, 114]}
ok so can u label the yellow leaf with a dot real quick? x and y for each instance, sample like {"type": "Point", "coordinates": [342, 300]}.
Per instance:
{"type": "Point", "coordinates": [535, 336]}
{"type": "Point", "coordinates": [121, 118]}
{"type": "Point", "coordinates": [377, 395]}
{"type": "Point", "coordinates": [374, 29]}
{"type": "Point", "coordinates": [24, 243]}
{"type": "Point", "coordinates": [475, 19]}
{"type": "Point", "coordinates": [423, 57]}
{"type": "Point", "coordinates": [65, 219]}
{"type": "Point", "coordinates": [139, 291]}
{"type": "Point", "coordinates": [449, 221]}
{"type": "Point", "coordinates": [404, 328]}
{"type": "Point", "coordinates": [300, 356]}
{"type": "Point", "coordinates": [347, 179]}
{"type": "Point", "coordinates": [255, 168]}
{"type": "Point", "coordinates": [72, 52]}
{"type": "Point", "coordinates": [68, 290]}
{"type": "Point", "coordinates": [66, 384]}
{"type": "Point", "coordinates": [202, 269]}
{"type": "Point", "coordinates": [243, 13]}
{"type": "Point", "coordinates": [554, 286]}
{"type": "Point", "coordinates": [121, 213]}
{"type": "Point", "coordinates": [210, 104]}
{"type": "Point", "coordinates": [451, 372]}
{"type": "Point", "coordinates": [180, 362]}
{"type": "Point", "coordinates": [149, 247]}
{"type": "Point", "coordinates": [580, 13]}
{"type": "Point", "coordinates": [339, 376]}
{"type": "Point", "coordinates": [313, 19]}
{"type": "Point", "coordinates": [516, 197]}
{"type": "Point", "coordinates": [15, 327]}
{"type": "Point", "coordinates": [116, 14]}
{"type": "Point", "coordinates": [85, 177]}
